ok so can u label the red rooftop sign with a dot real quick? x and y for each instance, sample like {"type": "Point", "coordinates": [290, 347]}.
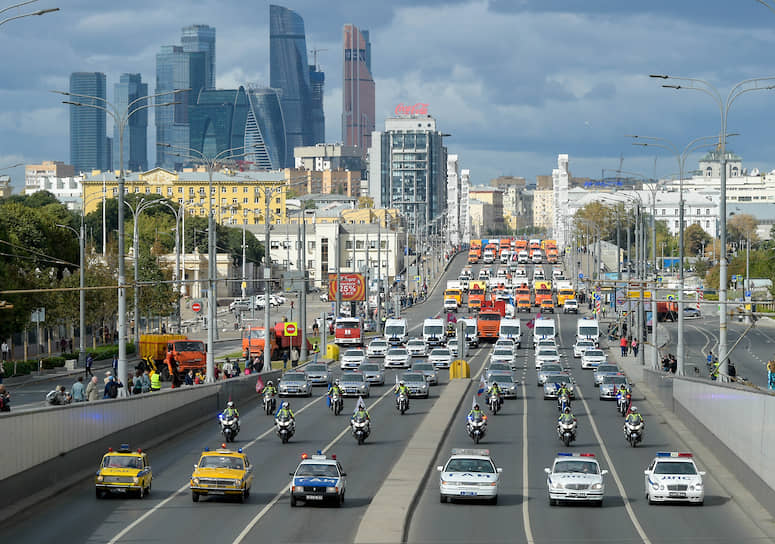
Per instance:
{"type": "Point", "coordinates": [417, 109]}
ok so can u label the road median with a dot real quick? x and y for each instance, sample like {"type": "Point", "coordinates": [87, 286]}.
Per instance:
{"type": "Point", "coordinates": [386, 518]}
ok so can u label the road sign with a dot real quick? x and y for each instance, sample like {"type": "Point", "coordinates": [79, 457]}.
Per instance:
{"type": "Point", "coordinates": [581, 275]}
{"type": "Point", "coordinates": [38, 315]}
{"type": "Point", "coordinates": [418, 279]}
{"type": "Point", "coordinates": [659, 279]}
{"type": "Point", "coordinates": [196, 307]}
{"type": "Point", "coordinates": [670, 297]}
{"type": "Point", "coordinates": [291, 328]}
{"type": "Point", "coordinates": [636, 294]}
{"type": "Point", "coordinates": [748, 293]}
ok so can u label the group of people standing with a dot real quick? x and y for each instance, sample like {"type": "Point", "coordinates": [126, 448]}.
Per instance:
{"type": "Point", "coordinates": [629, 344]}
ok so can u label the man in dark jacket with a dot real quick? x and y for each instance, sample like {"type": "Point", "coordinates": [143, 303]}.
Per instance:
{"type": "Point", "coordinates": [111, 388]}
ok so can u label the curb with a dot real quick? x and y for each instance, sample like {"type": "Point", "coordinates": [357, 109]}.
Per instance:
{"type": "Point", "coordinates": [387, 518]}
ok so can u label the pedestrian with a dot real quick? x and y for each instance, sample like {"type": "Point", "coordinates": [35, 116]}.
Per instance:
{"type": "Point", "coordinates": [92, 390]}
{"type": "Point", "coordinates": [6, 351]}
{"type": "Point", "coordinates": [108, 375]}
{"type": "Point", "coordinates": [294, 357]}
{"type": "Point", "coordinates": [624, 328]}
{"type": "Point", "coordinates": [331, 328]}
{"type": "Point", "coordinates": [137, 382]}
{"type": "Point", "coordinates": [111, 388]}
{"type": "Point", "coordinates": [315, 327]}
{"type": "Point", "coordinates": [78, 391]}
{"type": "Point", "coordinates": [155, 381]}
{"type": "Point", "coordinates": [623, 346]}
{"type": "Point", "coordinates": [285, 359]}
{"type": "Point", "coordinates": [189, 378]}
{"type": "Point", "coordinates": [146, 382]}
{"type": "Point", "coordinates": [2, 371]}
{"type": "Point", "coordinates": [62, 345]}
{"type": "Point", "coordinates": [5, 400]}
{"type": "Point", "coordinates": [634, 346]}
{"type": "Point", "coordinates": [115, 365]}
{"type": "Point", "coordinates": [70, 345]}
{"type": "Point", "coordinates": [89, 362]}
{"type": "Point", "coordinates": [257, 363]}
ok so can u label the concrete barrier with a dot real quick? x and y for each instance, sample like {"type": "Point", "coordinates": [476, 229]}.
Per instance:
{"type": "Point", "coordinates": [385, 520]}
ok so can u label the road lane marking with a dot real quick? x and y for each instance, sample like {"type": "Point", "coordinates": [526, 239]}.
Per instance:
{"type": "Point", "coordinates": [622, 492]}
{"type": "Point", "coordinates": [186, 486]}
{"type": "Point", "coordinates": [280, 494]}
{"type": "Point", "coordinates": [525, 470]}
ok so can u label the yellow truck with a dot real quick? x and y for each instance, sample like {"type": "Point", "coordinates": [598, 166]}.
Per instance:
{"type": "Point", "coordinates": [565, 291]}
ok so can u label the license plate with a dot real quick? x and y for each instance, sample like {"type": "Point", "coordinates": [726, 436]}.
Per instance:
{"type": "Point", "coordinates": [677, 494]}
{"type": "Point", "coordinates": [468, 493]}
{"type": "Point", "coordinates": [214, 492]}
{"type": "Point", "coordinates": [120, 490]}
{"type": "Point", "coordinates": [313, 498]}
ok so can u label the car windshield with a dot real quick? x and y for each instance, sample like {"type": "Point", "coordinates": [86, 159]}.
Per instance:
{"type": "Point", "coordinates": [471, 329]}
{"type": "Point", "coordinates": [547, 352]}
{"type": "Point", "coordinates": [470, 465]}
{"type": "Point", "coordinates": [588, 331]}
{"type": "Point", "coordinates": [501, 379]}
{"type": "Point", "coordinates": [585, 343]}
{"type": "Point", "coordinates": [489, 317]}
{"type": "Point", "coordinates": [500, 366]}
{"type": "Point", "coordinates": [441, 352]}
{"type": "Point", "coordinates": [594, 353]}
{"type": "Point", "coordinates": [294, 377]}
{"type": "Point", "coordinates": [557, 378]}
{"type": "Point", "coordinates": [422, 366]}
{"type": "Point", "coordinates": [413, 378]}
{"type": "Point", "coordinates": [122, 461]}
{"type": "Point", "coordinates": [189, 346]}
{"type": "Point", "coordinates": [584, 467]}
{"type": "Point", "coordinates": [316, 368]}
{"type": "Point", "coordinates": [415, 343]}
{"type": "Point", "coordinates": [400, 352]}
{"type": "Point", "coordinates": [221, 461]}
{"type": "Point", "coordinates": [351, 377]}
{"type": "Point", "coordinates": [320, 470]}
{"type": "Point", "coordinates": [433, 329]}
{"type": "Point", "coordinates": [347, 324]}
{"type": "Point", "coordinates": [505, 352]}
{"type": "Point", "coordinates": [615, 380]}
{"type": "Point", "coordinates": [551, 367]}
{"type": "Point", "coordinates": [378, 344]}
{"type": "Point", "coordinates": [394, 330]}
{"type": "Point", "coordinates": [607, 368]}
{"type": "Point", "coordinates": [675, 467]}
{"type": "Point", "coordinates": [353, 353]}
{"type": "Point", "coordinates": [370, 367]}
{"type": "Point", "coordinates": [544, 331]}
{"type": "Point", "coordinates": [506, 343]}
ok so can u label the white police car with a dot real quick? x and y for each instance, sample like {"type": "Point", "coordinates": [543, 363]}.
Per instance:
{"type": "Point", "coordinates": [575, 477]}
{"type": "Point", "coordinates": [673, 476]}
{"type": "Point", "coordinates": [469, 474]}
{"type": "Point", "coordinates": [318, 479]}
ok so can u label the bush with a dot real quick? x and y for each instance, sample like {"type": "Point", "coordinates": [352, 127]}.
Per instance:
{"type": "Point", "coordinates": [107, 352]}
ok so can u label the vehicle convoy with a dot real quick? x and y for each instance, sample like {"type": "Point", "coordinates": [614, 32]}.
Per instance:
{"type": "Point", "coordinates": [253, 340]}
{"type": "Point", "coordinates": [673, 476]}
{"type": "Point", "coordinates": [589, 329]}
{"type": "Point", "coordinates": [565, 291]}
{"type": "Point", "coordinates": [469, 474]}
{"type": "Point", "coordinates": [522, 295]}
{"type": "Point", "coordinates": [488, 324]}
{"type": "Point", "coordinates": [318, 478]}
{"type": "Point", "coordinates": [396, 331]}
{"type": "Point", "coordinates": [543, 291]}
{"type": "Point", "coordinates": [544, 329]}
{"type": "Point", "coordinates": [123, 471]}
{"type": "Point", "coordinates": [172, 353]}
{"type": "Point", "coordinates": [575, 477]}
{"type": "Point", "coordinates": [510, 328]}
{"type": "Point", "coordinates": [222, 473]}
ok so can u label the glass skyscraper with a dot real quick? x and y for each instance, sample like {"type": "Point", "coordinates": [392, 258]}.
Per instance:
{"type": "Point", "coordinates": [289, 72]}
{"type": "Point", "coordinates": [358, 121]}
{"type": "Point", "coordinates": [88, 138]}
{"type": "Point", "coordinates": [176, 69]}
{"type": "Point", "coordinates": [201, 38]}
{"type": "Point", "coordinates": [129, 88]}
{"type": "Point", "coordinates": [251, 119]}
{"type": "Point", "coordinates": [317, 80]}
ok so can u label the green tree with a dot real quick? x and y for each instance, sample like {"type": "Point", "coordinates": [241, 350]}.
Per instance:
{"type": "Point", "coordinates": [742, 227]}
{"type": "Point", "coordinates": [695, 238]}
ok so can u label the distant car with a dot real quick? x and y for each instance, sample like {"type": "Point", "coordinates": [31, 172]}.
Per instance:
{"type": "Point", "coordinates": [354, 384]}
{"type": "Point", "coordinates": [610, 385]}
{"type": "Point", "coordinates": [546, 369]}
{"type": "Point", "coordinates": [417, 348]}
{"type": "Point", "coordinates": [496, 368]}
{"type": "Point", "coordinates": [505, 355]}
{"type": "Point", "coordinates": [602, 371]}
{"type": "Point", "coordinates": [554, 380]}
{"type": "Point", "coordinates": [592, 358]}
{"type": "Point", "coordinates": [571, 306]}
{"type": "Point", "coordinates": [417, 384]}
{"type": "Point", "coordinates": [469, 474]}
{"type": "Point", "coordinates": [369, 325]}
{"type": "Point", "coordinates": [546, 343]}
{"type": "Point", "coordinates": [317, 373]}
{"type": "Point", "coordinates": [294, 384]}
{"type": "Point", "coordinates": [373, 373]}
{"type": "Point", "coordinates": [440, 357]}
{"type": "Point", "coordinates": [352, 358]}
{"type": "Point", "coordinates": [377, 348]}
{"type": "Point", "coordinates": [397, 357]}
{"type": "Point", "coordinates": [506, 381]}
{"type": "Point", "coordinates": [429, 370]}
{"type": "Point", "coordinates": [673, 476]}
{"type": "Point", "coordinates": [506, 343]}
{"type": "Point", "coordinates": [546, 355]}
{"type": "Point", "coordinates": [692, 312]}
{"type": "Point", "coordinates": [240, 304]}
{"type": "Point", "coordinates": [575, 477]}
{"type": "Point", "coordinates": [581, 346]}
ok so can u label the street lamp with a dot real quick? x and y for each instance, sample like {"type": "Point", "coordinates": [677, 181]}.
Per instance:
{"type": "Point", "coordinates": [120, 118]}
{"type": "Point", "coordinates": [30, 14]}
{"type": "Point", "coordinates": [724, 104]}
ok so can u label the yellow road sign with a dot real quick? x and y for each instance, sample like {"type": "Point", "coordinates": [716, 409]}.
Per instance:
{"type": "Point", "coordinates": [636, 294]}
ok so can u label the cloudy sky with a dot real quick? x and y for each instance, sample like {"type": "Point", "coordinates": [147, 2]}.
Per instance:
{"type": "Point", "coordinates": [515, 82]}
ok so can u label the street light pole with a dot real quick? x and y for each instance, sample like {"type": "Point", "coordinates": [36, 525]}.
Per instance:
{"type": "Point", "coordinates": [30, 14]}
{"type": "Point", "coordinates": [82, 289]}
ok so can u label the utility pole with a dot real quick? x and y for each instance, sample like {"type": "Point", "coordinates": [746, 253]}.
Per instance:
{"type": "Point", "coordinates": [303, 309]}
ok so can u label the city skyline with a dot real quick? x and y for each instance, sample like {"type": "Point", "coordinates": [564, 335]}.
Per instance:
{"type": "Point", "coordinates": [548, 80]}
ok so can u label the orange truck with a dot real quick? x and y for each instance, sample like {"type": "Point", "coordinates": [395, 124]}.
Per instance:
{"type": "Point", "coordinates": [174, 353]}
{"type": "Point", "coordinates": [522, 295]}
{"type": "Point", "coordinates": [552, 255]}
{"type": "Point", "coordinates": [543, 291]}
{"type": "Point", "coordinates": [521, 245]}
{"type": "Point", "coordinates": [253, 340]}
{"type": "Point", "coordinates": [489, 320]}
{"type": "Point", "coordinates": [474, 254]}
{"type": "Point", "coordinates": [476, 291]}
{"type": "Point", "coordinates": [505, 245]}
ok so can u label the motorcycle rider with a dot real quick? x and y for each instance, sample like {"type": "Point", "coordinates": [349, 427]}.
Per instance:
{"type": "Point", "coordinates": [270, 389]}
{"type": "Point", "coordinates": [494, 390]}
{"type": "Point", "coordinates": [361, 413]}
{"type": "Point", "coordinates": [285, 410]}
{"type": "Point", "coordinates": [566, 417]}
{"type": "Point", "coordinates": [634, 417]}
{"type": "Point", "coordinates": [400, 389]}
{"type": "Point", "coordinates": [334, 389]}
{"type": "Point", "coordinates": [475, 413]}
{"type": "Point", "coordinates": [563, 390]}
{"type": "Point", "coordinates": [231, 411]}
{"type": "Point", "coordinates": [621, 393]}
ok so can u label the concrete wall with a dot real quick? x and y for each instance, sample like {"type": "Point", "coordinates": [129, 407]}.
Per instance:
{"type": "Point", "coordinates": [742, 420]}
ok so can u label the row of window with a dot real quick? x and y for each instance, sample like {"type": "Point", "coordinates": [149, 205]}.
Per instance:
{"type": "Point", "coordinates": [688, 211]}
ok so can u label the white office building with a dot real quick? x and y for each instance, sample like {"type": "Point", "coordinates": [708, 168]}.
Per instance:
{"type": "Point", "coordinates": [454, 234]}
{"type": "Point", "coordinates": [465, 205]}
{"type": "Point", "coordinates": [560, 179]}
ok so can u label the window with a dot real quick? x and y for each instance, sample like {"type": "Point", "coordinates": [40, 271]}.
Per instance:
{"type": "Point", "coordinates": [311, 246]}
{"type": "Point", "coordinates": [180, 189]}
{"type": "Point", "coordinates": [256, 200]}
{"type": "Point", "coordinates": [348, 244]}
{"type": "Point", "coordinates": [234, 189]}
{"type": "Point", "coordinates": [234, 201]}
{"type": "Point", "coordinates": [277, 200]}
{"type": "Point", "coordinates": [190, 191]}
{"type": "Point", "coordinates": [359, 244]}
{"type": "Point", "coordinates": [223, 189]}
{"type": "Point", "coordinates": [169, 191]}
{"type": "Point", "coordinates": [278, 211]}
{"type": "Point", "coordinates": [224, 201]}
{"type": "Point", "coordinates": [348, 263]}
{"type": "Point", "coordinates": [244, 189]}
{"type": "Point", "coordinates": [244, 200]}
{"type": "Point", "coordinates": [384, 243]}
{"type": "Point", "coordinates": [180, 201]}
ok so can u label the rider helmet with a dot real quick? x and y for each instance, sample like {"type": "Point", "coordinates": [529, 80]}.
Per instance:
{"type": "Point", "coordinates": [285, 405]}
{"type": "Point", "coordinates": [634, 409]}
{"type": "Point", "coordinates": [567, 409]}
{"type": "Point", "coordinates": [269, 382]}
{"type": "Point", "coordinates": [230, 404]}
{"type": "Point", "coordinates": [476, 406]}
{"type": "Point", "coordinates": [336, 381]}
{"type": "Point", "coordinates": [401, 382]}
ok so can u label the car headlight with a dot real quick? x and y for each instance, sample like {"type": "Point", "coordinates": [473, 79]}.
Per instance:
{"type": "Point", "coordinates": [444, 482]}
{"type": "Point", "coordinates": [135, 480]}
{"type": "Point", "coordinates": [238, 483]}
{"type": "Point", "coordinates": [331, 490]}
{"type": "Point", "coordinates": [596, 486]}
{"type": "Point", "coordinates": [196, 481]}
{"type": "Point", "coordinates": [559, 485]}
{"type": "Point", "coordinates": [99, 477]}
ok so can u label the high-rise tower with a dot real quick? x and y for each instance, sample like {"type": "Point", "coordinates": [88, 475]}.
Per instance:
{"type": "Point", "coordinates": [129, 88]}
{"type": "Point", "coordinates": [201, 38]}
{"type": "Point", "coordinates": [88, 138]}
{"type": "Point", "coordinates": [357, 89]}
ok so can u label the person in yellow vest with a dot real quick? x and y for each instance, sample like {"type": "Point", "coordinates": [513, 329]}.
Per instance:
{"type": "Point", "coordinates": [155, 381]}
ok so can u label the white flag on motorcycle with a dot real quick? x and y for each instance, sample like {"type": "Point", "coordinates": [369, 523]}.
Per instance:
{"type": "Point", "coordinates": [360, 405]}
{"type": "Point", "coordinates": [474, 402]}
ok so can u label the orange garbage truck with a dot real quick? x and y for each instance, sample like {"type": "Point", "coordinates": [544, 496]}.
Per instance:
{"type": "Point", "coordinates": [174, 352]}
{"type": "Point", "coordinates": [253, 340]}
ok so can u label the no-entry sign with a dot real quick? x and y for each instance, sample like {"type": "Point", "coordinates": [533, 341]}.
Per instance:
{"type": "Point", "coordinates": [196, 307]}
{"type": "Point", "coordinates": [291, 329]}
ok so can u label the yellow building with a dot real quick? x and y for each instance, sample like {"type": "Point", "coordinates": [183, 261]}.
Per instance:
{"type": "Point", "coordinates": [240, 195]}
{"type": "Point", "coordinates": [368, 216]}
{"type": "Point", "coordinates": [334, 182]}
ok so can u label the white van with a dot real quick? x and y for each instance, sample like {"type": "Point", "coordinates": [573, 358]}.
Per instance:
{"type": "Point", "coordinates": [472, 332]}
{"type": "Point", "coordinates": [544, 329]}
{"type": "Point", "coordinates": [434, 332]}
{"type": "Point", "coordinates": [505, 255]}
{"type": "Point", "coordinates": [396, 331]}
{"type": "Point", "coordinates": [588, 329]}
{"type": "Point", "coordinates": [538, 257]}
{"type": "Point", "coordinates": [510, 328]}
{"type": "Point", "coordinates": [523, 257]}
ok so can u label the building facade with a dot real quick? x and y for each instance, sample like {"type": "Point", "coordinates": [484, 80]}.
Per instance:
{"type": "Point", "coordinates": [494, 223]}
{"type": "Point", "coordinates": [454, 235]}
{"type": "Point", "coordinates": [358, 98]}
{"type": "Point", "coordinates": [339, 182]}
{"type": "Point", "coordinates": [482, 216]}
{"type": "Point", "coordinates": [329, 157]}
{"type": "Point", "coordinates": [128, 90]}
{"type": "Point", "coordinates": [517, 201]}
{"type": "Point", "coordinates": [247, 121]}
{"type": "Point", "coordinates": [465, 208]}
{"type": "Point", "coordinates": [560, 179]}
{"type": "Point", "coordinates": [201, 39]}
{"type": "Point", "coordinates": [543, 203]}
{"type": "Point", "coordinates": [238, 198]}
{"type": "Point", "coordinates": [88, 137]}
{"type": "Point", "coordinates": [289, 72]}
{"type": "Point", "coordinates": [57, 178]}
{"type": "Point", "coordinates": [407, 169]}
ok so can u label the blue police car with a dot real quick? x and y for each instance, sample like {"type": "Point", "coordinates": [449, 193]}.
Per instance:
{"type": "Point", "coordinates": [318, 479]}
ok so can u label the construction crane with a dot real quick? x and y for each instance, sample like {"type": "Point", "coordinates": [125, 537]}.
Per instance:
{"type": "Point", "coordinates": [315, 57]}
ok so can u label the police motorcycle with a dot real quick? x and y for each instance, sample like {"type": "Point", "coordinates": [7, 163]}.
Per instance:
{"type": "Point", "coordinates": [623, 402]}
{"type": "Point", "coordinates": [336, 403]}
{"type": "Point", "coordinates": [476, 426]}
{"type": "Point", "coordinates": [563, 401]}
{"type": "Point", "coordinates": [494, 402]}
{"type": "Point", "coordinates": [285, 427]}
{"type": "Point", "coordinates": [633, 431]}
{"type": "Point", "coordinates": [402, 402]}
{"type": "Point", "coordinates": [229, 426]}
{"type": "Point", "coordinates": [361, 428]}
{"type": "Point", "coordinates": [270, 402]}
{"type": "Point", "coordinates": [566, 431]}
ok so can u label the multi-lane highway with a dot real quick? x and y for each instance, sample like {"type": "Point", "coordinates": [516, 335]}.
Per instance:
{"type": "Point", "coordinates": [521, 438]}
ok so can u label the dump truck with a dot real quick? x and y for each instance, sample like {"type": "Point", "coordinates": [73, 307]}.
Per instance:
{"type": "Point", "coordinates": [543, 291]}
{"type": "Point", "coordinates": [253, 339]}
{"type": "Point", "coordinates": [174, 353]}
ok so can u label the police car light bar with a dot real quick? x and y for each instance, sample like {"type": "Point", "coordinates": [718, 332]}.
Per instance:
{"type": "Point", "coordinates": [469, 451]}
{"type": "Point", "coordinates": [304, 456]}
{"type": "Point", "coordinates": [239, 450]}
{"type": "Point", "coordinates": [569, 454]}
{"type": "Point", "coordinates": [673, 454]}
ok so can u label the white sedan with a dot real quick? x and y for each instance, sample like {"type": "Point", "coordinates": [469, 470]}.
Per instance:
{"type": "Point", "coordinates": [546, 355]}
{"type": "Point", "coordinates": [469, 474]}
{"type": "Point", "coordinates": [397, 358]}
{"type": "Point", "coordinates": [417, 348]}
{"type": "Point", "coordinates": [440, 357]}
{"type": "Point", "coordinates": [581, 346]}
{"type": "Point", "coordinates": [352, 358]}
{"type": "Point", "coordinates": [575, 477]}
{"type": "Point", "coordinates": [377, 348]}
{"type": "Point", "coordinates": [592, 358]}
{"type": "Point", "coordinates": [673, 476]}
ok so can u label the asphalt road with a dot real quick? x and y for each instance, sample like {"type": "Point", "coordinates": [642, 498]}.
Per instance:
{"type": "Point", "coordinates": [522, 439]}
{"type": "Point", "coordinates": [169, 515]}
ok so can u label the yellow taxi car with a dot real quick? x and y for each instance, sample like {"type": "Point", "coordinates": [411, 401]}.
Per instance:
{"type": "Point", "coordinates": [222, 472]}
{"type": "Point", "coordinates": [123, 471]}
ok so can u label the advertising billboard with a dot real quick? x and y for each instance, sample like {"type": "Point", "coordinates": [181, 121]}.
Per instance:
{"type": "Point", "coordinates": [353, 287]}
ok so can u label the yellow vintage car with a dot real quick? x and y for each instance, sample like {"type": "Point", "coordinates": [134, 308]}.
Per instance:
{"type": "Point", "coordinates": [123, 471]}
{"type": "Point", "coordinates": [222, 472]}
